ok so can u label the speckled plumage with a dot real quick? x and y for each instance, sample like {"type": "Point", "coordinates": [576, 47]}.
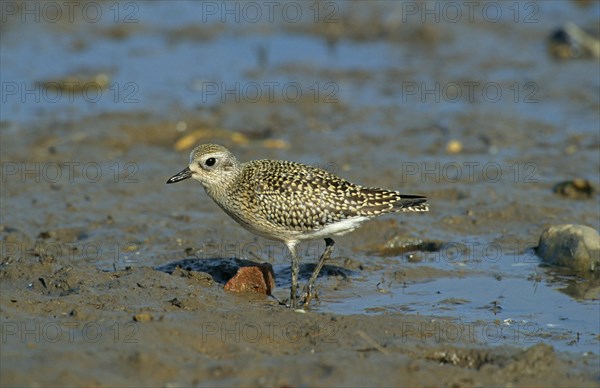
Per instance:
{"type": "Point", "coordinates": [288, 201]}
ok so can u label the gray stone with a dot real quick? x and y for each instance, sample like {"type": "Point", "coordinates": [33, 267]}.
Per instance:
{"type": "Point", "coordinates": [571, 246]}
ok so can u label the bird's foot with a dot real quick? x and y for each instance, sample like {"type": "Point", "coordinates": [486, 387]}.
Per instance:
{"type": "Point", "coordinates": [308, 294]}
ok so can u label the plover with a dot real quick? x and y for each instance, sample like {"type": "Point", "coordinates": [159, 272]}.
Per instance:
{"type": "Point", "coordinates": [291, 202]}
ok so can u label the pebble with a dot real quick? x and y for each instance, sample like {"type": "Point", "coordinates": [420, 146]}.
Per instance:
{"type": "Point", "coordinates": [259, 279]}
{"type": "Point", "coordinates": [454, 147]}
{"type": "Point", "coordinates": [572, 246]}
{"type": "Point", "coordinates": [143, 317]}
{"type": "Point", "coordinates": [576, 189]}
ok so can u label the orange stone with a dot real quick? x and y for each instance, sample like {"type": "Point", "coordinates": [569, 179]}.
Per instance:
{"type": "Point", "coordinates": [259, 279]}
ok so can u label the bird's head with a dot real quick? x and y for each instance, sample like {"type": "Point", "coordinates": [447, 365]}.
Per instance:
{"type": "Point", "coordinates": [210, 164]}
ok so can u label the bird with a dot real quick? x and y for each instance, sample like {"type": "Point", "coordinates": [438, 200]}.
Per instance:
{"type": "Point", "coordinates": [291, 202]}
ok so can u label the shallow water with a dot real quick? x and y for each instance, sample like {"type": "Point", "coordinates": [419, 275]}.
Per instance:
{"type": "Point", "coordinates": [491, 306]}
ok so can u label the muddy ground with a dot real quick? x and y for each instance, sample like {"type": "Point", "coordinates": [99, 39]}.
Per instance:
{"type": "Point", "coordinates": [109, 277]}
{"type": "Point", "coordinates": [83, 305]}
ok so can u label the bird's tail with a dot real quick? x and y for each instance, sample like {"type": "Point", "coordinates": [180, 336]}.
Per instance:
{"type": "Point", "coordinates": [411, 203]}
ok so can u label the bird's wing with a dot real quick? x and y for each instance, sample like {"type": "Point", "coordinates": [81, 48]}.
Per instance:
{"type": "Point", "coordinates": [302, 198]}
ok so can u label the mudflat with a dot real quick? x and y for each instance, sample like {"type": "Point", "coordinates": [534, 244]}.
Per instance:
{"type": "Point", "coordinates": [110, 277]}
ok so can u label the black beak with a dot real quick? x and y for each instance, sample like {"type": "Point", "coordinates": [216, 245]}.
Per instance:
{"type": "Point", "coordinates": [182, 175]}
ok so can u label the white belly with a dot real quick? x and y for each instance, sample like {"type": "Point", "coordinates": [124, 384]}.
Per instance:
{"type": "Point", "coordinates": [336, 229]}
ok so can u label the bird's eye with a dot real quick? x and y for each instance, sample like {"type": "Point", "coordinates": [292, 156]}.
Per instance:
{"type": "Point", "coordinates": [210, 162]}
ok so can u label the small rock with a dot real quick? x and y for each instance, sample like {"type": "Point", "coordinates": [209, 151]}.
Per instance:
{"type": "Point", "coordinates": [259, 279]}
{"type": "Point", "coordinates": [571, 246]}
{"type": "Point", "coordinates": [44, 235]}
{"type": "Point", "coordinates": [176, 302]}
{"type": "Point", "coordinates": [454, 147]}
{"type": "Point", "coordinates": [143, 317]}
{"type": "Point", "coordinates": [575, 189]}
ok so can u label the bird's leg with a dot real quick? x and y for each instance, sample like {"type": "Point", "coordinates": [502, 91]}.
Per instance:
{"type": "Point", "coordinates": [309, 289]}
{"type": "Point", "coordinates": [295, 271]}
